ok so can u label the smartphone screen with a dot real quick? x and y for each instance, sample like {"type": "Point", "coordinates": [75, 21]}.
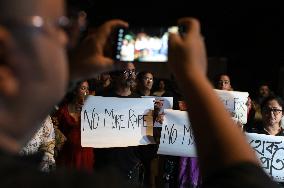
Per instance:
{"type": "Point", "coordinates": [148, 44]}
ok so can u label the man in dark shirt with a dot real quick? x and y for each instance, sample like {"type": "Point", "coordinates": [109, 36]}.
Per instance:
{"type": "Point", "coordinates": [128, 160]}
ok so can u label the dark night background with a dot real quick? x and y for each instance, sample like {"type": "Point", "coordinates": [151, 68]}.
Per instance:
{"type": "Point", "coordinates": [251, 38]}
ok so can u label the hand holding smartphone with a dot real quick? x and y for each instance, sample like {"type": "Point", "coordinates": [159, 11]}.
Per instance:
{"type": "Point", "coordinates": [143, 44]}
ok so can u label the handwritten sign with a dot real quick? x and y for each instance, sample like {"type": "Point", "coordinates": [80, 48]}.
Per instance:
{"type": "Point", "coordinates": [235, 102]}
{"type": "Point", "coordinates": [177, 140]}
{"type": "Point", "coordinates": [270, 151]}
{"type": "Point", "coordinates": [116, 122]}
{"type": "Point", "coordinates": [177, 136]}
{"type": "Point", "coordinates": [167, 104]}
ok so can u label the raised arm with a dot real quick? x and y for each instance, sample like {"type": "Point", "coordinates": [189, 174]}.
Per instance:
{"type": "Point", "coordinates": [219, 142]}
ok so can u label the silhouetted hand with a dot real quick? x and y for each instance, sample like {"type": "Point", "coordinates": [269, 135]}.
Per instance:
{"type": "Point", "coordinates": [187, 51]}
{"type": "Point", "coordinates": [89, 58]}
{"type": "Point", "coordinates": [160, 118]}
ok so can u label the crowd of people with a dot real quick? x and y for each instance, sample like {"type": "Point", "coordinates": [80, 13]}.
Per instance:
{"type": "Point", "coordinates": [40, 140]}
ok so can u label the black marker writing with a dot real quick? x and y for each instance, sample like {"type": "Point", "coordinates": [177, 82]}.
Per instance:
{"type": "Point", "coordinates": [91, 122]}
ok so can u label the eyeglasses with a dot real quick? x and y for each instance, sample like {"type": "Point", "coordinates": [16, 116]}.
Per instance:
{"type": "Point", "coordinates": [129, 72]}
{"type": "Point", "coordinates": [39, 23]}
{"type": "Point", "coordinates": [274, 110]}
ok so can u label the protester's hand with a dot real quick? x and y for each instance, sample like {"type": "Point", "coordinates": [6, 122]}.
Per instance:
{"type": "Point", "coordinates": [182, 106]}
{"type": "Point", "coordinates": [160, 118]}
{"type": "Point", "coordinates": [89, 58]}
{"type": "Point", "coordinates": [157, 114]}
{"type": "Point", "coordinates": [187, 51]}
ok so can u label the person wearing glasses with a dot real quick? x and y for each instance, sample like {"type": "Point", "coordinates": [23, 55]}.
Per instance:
{"type": "Point", "coordinates": [124, 82]}
{"type": "Point", "coordinates": [34, 75]}
{"type": "Point", "coordinates": [272, 113]}
{"type": "Point", "coordinates": [126, 160]}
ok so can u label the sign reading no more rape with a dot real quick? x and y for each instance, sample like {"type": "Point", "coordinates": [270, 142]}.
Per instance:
{"type": "Point", "coordinates": [177, 136]}
{"type": "Point", "coordinates": [116, 122]}
{"type": "Point", "coordinates": [177, 140]}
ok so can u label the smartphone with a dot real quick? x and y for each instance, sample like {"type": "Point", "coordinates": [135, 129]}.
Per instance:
{"type": "Point", "coordinates": [143, 44]}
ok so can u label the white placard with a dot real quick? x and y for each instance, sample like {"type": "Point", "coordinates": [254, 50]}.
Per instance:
{"type": "Point", "coordinates": [177, 140]}
{"type": "Point", "coordinates": [177, 136]}
{"type": "Point", "coordinates": [270, 151]}
{"type": "Point", "coordinates": [116, 122]}
{"type": "Point", "coordinates": [235, 102]}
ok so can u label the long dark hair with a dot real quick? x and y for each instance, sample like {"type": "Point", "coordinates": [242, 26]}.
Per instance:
{"type": "Point", "coordinates": [71, 95]}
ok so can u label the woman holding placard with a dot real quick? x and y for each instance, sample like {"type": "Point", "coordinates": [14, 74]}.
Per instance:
{"type": "Point", "coordinates": [73, 155]}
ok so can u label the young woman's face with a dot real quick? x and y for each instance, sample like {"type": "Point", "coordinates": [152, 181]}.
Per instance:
{"type": "Point", "coordinates": [272, 113]}
{"type": "Point", "coordinates": [224, 83]}
{"type": "Point", "coordinates": [83, 90]}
